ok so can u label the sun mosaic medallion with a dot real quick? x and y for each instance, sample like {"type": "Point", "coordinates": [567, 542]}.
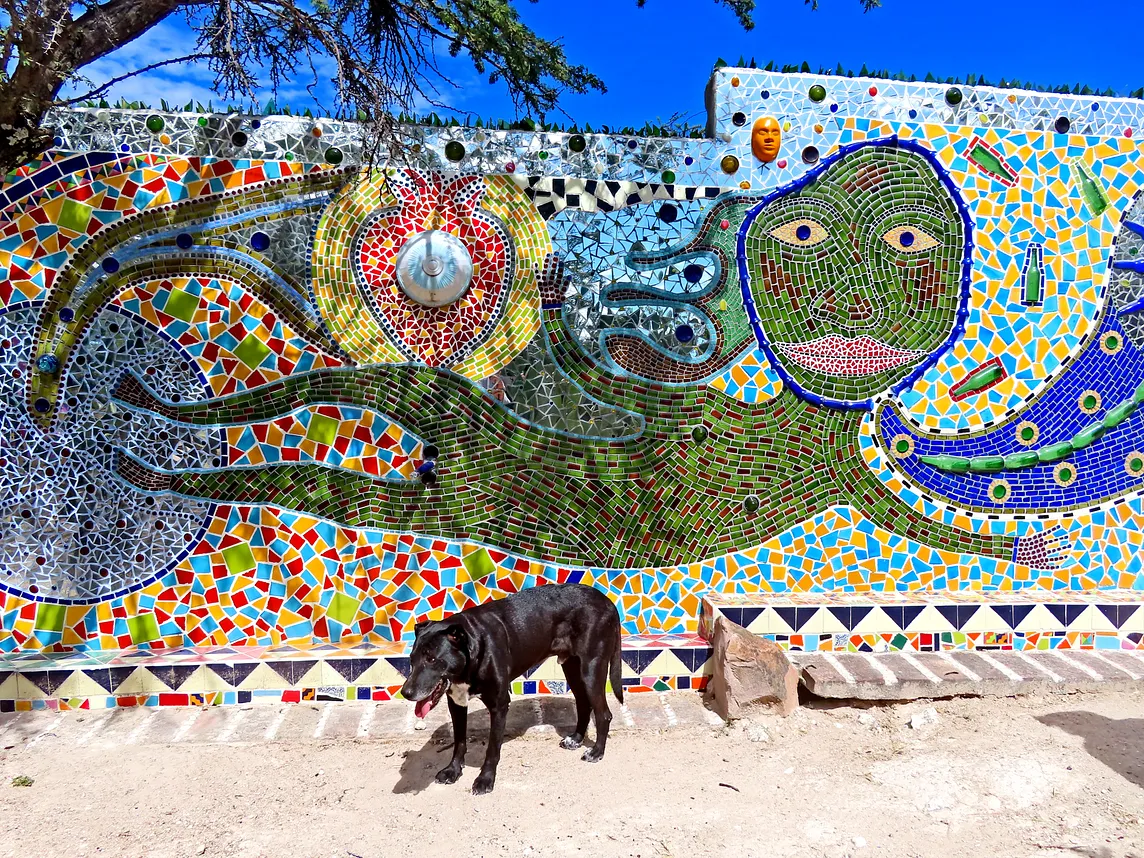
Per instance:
{"type": "Point", "coordinates": [433, 270]}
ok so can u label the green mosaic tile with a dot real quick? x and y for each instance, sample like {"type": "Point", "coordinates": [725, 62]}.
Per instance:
{"type": "Point", "coordinates": [252, 351]}
{"type": "Point", "coordinates": [322, 429]}
{"type": "Point", "coordinates": [479, 565]}
{"type": "Point", "coordinates": [343, 608]}
{"type": "Point", "coordinates": [75, 215]}
{"type": "Point", "coordinates": [50, 618]}
{"type": "Point", "coordinates": [143, 628]}
{"type": "Point", "coordinates": [238, 558]}
{"type": "Point", "coordinates": [181, 304]}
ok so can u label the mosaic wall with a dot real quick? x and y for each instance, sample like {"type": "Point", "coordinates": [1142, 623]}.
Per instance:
{"type": "Point", "coordinates": [868, 336]}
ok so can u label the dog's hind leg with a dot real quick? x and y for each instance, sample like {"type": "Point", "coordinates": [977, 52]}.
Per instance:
{"type": "Point", "coordinates": [498, 713]}
{"type": "Point", "coordinates": [595, 673]}
{"type": "Point", "coordinates": [460, 716]}
{"type": "Point", "coordinates": [572, 672]}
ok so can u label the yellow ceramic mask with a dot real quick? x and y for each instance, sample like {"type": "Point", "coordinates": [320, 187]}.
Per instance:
{"type": "Point", "coordinates": [766, 139]}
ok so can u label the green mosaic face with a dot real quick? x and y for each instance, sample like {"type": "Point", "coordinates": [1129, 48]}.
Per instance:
{"type": "Point", "coordinates": [856, 275]}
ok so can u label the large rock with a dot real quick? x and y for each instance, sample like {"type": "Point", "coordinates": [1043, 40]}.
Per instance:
{"type": "Point", "coordinates": [749, 673]}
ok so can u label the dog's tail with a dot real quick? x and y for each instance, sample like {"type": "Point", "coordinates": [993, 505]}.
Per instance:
{"type": "Point", "coordinates": [616, 671]}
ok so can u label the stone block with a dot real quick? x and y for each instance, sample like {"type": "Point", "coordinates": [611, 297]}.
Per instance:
{"type": "Point", "coordinates": [749, 673]}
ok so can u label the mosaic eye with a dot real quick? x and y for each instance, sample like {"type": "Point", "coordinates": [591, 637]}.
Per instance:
{"type": "Point", "coordinates": [802, 232]}
{"type": "Point", "coordinates": [909, 239]}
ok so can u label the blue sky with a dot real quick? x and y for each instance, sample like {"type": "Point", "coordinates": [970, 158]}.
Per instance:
{"type": "Point", "coordinates": [656, 60]}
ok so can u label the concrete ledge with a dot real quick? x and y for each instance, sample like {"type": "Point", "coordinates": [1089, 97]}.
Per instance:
{"type": "Point", "coordinates": [910, 676]}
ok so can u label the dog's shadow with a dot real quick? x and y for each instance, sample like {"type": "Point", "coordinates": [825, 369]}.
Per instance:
{"type": "Point", "coordinates": [419, 768]}
{"type": "Point", "coordinates": [1116, 742]}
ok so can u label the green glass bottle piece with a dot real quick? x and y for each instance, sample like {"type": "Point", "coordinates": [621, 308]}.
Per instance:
{"type": "Point", "coordinates": [1138, 396]}
{"type": "Point", "coordinates": [979, 379]}
{"type": "Point", "coordinates": [988, 161]}
{"type": "Point", "coordinates": [1119, 414]}
{"type": "Point", "coordinates": [987, 464]}
{"type": "Point", "coordinates": [1032, 275]}
{"type": "Point", "coordinates": [1055, 452]}
{"type": "Point", "coordinates": [1095, 200]}
{"type": "Point", "coordinates": [953, 464]}
{"type": "Point", "coordinates": [1024, 459]}
{"type": "Point", "coordinates": [1033, 286]}
{"type": "Point", "coordinates": [1087, 435]}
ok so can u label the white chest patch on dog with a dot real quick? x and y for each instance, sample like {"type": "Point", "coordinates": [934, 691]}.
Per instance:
{"type": "Point", "coordinates": [459, 693]}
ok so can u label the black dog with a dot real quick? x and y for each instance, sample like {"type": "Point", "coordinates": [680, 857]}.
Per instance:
{"type": "Point", "coordinates": [481, 650]}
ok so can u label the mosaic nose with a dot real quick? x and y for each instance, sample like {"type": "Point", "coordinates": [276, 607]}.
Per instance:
{"type": "Point", "coordinates": [849, 307]}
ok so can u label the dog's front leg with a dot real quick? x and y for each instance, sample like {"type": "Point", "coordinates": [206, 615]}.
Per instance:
{"type": "Point", "coordinates": [498, 714]}
{"type": "Point", "coordinates": [451, 772]}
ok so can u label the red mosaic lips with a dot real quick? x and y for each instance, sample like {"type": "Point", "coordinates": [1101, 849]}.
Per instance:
{"type": "Point", "coordinates": [835, 355]}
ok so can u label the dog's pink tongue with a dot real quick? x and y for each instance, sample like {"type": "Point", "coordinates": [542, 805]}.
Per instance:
{"type": "Point", "coordinates": [422, 708]}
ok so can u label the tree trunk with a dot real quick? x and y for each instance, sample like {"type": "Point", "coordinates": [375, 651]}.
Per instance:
{"type": "Point", "coordinates": [52, 48]}
{"type": "Point", "coordinates": [21, 137]}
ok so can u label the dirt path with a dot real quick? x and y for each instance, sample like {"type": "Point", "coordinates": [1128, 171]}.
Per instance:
{"type": "Point", "coordinates": [1048, 776]}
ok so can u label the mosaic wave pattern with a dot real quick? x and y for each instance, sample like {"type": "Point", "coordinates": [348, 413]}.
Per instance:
{"type": "Point", "coordinates": [254, 395]}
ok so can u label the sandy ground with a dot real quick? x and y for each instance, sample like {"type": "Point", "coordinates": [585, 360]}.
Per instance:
{"type": "Point", "coordinates": [1044, 776]}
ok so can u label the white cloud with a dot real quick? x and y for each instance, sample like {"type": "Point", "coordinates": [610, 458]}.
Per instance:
{"type": "Point", "coordinates": [193, 82]}
{"type": "Point", "coordinates": [175, 83]}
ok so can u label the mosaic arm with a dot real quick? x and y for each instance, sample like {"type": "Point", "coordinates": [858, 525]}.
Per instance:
{"type": "Point", "coordinates": [353, 499]}
{"type": "Point", "coordinates": [520, 510]}
{"type": "Point", "coordinates": [440, 407]}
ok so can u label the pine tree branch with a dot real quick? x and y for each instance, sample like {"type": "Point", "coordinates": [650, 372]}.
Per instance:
{"type": "Point", "coordinates": [101, 90]}
{"type": "Point", "coordinates": [9, 44]}
{"type": "Point", "coordinates": [103, 28]}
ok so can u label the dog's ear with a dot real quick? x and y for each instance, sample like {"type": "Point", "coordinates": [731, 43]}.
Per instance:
{"type": "Point", "coordinates": [419, 627]}
{"type": "Point", "coordinates": [458, 636]}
